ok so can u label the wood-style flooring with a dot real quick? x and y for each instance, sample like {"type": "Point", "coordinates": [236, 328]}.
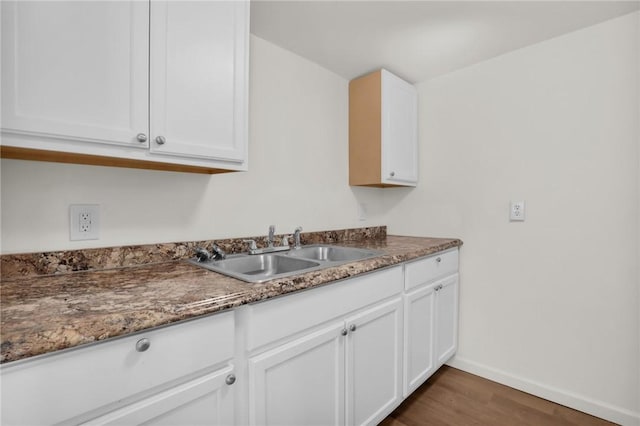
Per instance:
{"type": "Point", "coordinates": [454, 397]}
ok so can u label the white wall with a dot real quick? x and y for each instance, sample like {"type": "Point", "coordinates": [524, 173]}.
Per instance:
{"type": "Point", "coordinates": [549, 305]}
{"type": "Point", "coordinates": [298, 175]}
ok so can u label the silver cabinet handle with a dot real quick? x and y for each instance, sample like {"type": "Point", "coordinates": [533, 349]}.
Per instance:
{"type": "Point", "coordinates": [344, 332]}
{"type": "Point", "coordinates": [231, 379]}
{"type": "Point", "coordinates": [160, 140]}
{"type": "Point", "coordinates": [438, 259]}
{"type": "Point", "coordinates": [141, 137]}
{"type": "Point", "coordinates": [143, 344]}
{"type": "Point", "coordinates": [353, 327]}
{"type": "Point", "coordinates": [392, 174]}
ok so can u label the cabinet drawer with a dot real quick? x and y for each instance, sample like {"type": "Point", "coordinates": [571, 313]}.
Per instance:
{"type": "Point", "coordinates": [430, 268]}
{"type": "Point", "coordinates": [285, 316]}
{"type": "Point", "coordinates": [68, 384]}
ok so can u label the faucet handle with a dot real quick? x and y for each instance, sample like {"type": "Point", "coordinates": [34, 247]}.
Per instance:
{"type": "Point", "coordinates": [218, 253]}
{"type": "Point", "coordinates": [252, 244]}
{"type": "Point", "coordinates": [285, 240]}
{"type": "Point", "coordinates": [202, 255]}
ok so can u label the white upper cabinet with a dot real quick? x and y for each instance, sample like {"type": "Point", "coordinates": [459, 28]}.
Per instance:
{"type": "Point", "coordinates": [399, 131]}
{"type": "Point", "coordinates": [162, 83]}
{"type": "Point", "coordinates": [76, 71]}
{"type": "Point", "coordinates": [197, 85]}
{"type": "Point", "coordinates": [383, 131]}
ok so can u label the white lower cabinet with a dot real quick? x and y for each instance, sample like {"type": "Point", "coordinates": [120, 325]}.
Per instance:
{"type": "Point", "coordinates": [341, 354]}
{"type": "Point", "coordinates": [446, 319]}
{"type": "Point", "coordinates": [300, 382]}
{"type": "Point", "coordinates": [157, 376]}
{"type": "Point", "coordinates": [374, 363]}
{"type": "Point", "coordinates": [303, 382]}
{"type": "Point", "coordinates": [431, 318]}
{"type": "Point", "coordinates": [346, 371]}
{"type": "Point", "coordinates": [419, 307]}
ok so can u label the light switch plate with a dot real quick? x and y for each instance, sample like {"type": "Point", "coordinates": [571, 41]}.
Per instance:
{"type": "Point", "coordinates": [516, 211]}
{"type": "Point", "coordinates": [84, 222]}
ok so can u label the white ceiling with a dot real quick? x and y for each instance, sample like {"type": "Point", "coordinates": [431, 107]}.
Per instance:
{"type": "Point", "coordinates": [418, 40]}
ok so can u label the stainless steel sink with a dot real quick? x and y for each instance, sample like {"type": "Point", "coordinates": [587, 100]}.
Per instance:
{"type": "Point", "coordinates": [257, 268]}
{"type": "Point", "coordinates": [327, 253]}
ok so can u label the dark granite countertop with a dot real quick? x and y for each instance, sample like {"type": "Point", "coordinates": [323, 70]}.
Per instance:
{"type": "Point", "coordinates": [42, 314]}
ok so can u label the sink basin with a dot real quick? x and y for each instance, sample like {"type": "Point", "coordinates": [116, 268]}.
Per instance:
{"type": "Point", "coordinates": [327, 253]}
{"type": "Point", "coordinates": [259, 268]}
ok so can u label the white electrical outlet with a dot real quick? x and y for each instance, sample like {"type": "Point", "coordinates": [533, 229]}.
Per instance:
{"type": "Point", "coordinates": [516, 212]}
{"type": "Point", "coordinates": [84, 222]}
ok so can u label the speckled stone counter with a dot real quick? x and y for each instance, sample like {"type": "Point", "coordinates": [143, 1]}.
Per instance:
{"type": "Point", "coordinates": [41, 314]}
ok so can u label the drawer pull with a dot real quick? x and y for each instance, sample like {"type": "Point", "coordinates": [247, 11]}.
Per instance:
{"type": "Point", "coordinates": [231, 379]}
{"type": "Point", "coordinates": [344, 332]}
{"type": "Point", "coordinates": [142, 345]}
{"type": "Point", "coordinates": [438, 259]}
{"type": "Point", "coordinates": [353, 327]}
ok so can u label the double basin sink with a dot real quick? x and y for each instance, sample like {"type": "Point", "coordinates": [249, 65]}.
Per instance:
{"type": "Point", "coordinates": [257, 268]}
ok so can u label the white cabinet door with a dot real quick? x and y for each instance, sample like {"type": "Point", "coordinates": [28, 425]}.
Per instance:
{"type": "Point", "coordinates": [300, 382]}
{"type": "Point", "coordinates": [208, 400]}
{"type": "Point", "coordinates": [374, 363]}
{"type": "Point", "coordinates": [446, 319]}
{"type": "Point", "coordinates": [399, 131]}
{"type": "Point", "coordinates": [419, 337]}
{"type": "Point", "coordinates": [76, 71]}
{"type": "Point", "coordinates": [198, 78]}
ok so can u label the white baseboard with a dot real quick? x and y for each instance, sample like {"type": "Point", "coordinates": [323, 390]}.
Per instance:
{"type": "Point", "coordinates": [578, 402]}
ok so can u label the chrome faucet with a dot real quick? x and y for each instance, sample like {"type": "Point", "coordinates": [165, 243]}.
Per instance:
{"type": "Point", "coordinates": [296, 238]}
{"type": "Point", "coordinates": [272, 231]}
{"type": "Point", "coordinates": [203, 255]}
{"type": "Point", "coordinates": [253, 247]}
{"type": "Point", "coordinates": [217, 252]}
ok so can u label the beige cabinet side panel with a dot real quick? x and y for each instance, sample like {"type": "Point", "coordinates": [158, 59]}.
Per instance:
{"type": "Point", "coordinates": [365, 130]}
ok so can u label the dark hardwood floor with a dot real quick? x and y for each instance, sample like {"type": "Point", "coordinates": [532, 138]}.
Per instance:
{"type": "Point", "coordinates": [454, 397]}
